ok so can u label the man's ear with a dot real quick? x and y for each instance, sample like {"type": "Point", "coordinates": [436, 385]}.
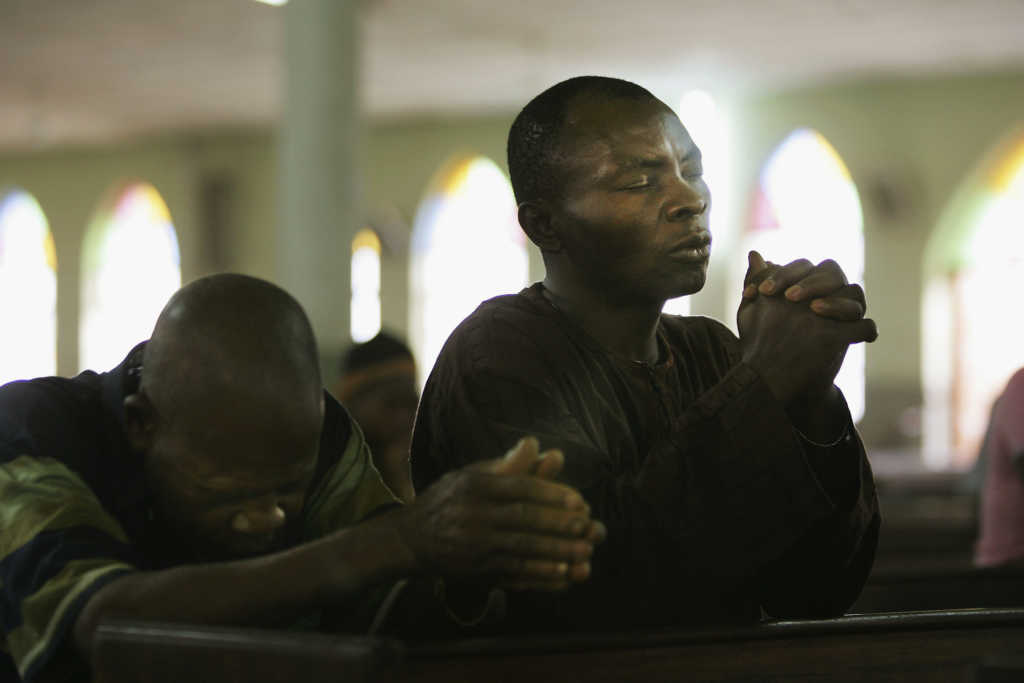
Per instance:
{"type": "Point", "coordinates": [140, 421]}
{"type": "Point", "coordinates": [535, 217]}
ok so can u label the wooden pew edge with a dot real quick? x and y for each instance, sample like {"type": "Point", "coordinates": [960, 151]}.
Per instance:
{"type": "Point", "coordinates": [239, 638]}
{"type": "Point", "coordinates": [934, 620]}
{"type": "Point", "coordinates": [383, 651]}
{"type": "Point", "coordinates": [911, 576]}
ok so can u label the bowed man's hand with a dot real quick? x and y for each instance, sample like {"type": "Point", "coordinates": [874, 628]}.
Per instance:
{"type": "Point", "coordinates": [505, 522]}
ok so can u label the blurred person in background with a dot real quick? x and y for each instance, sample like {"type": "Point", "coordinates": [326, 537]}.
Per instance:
{"type": "Point", "coordinates": [378, 386]}
{"type": "Point", "coordinates": [1001, 540]}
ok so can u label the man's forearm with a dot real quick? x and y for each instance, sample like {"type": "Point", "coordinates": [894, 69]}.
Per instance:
{"type": "Point", "coordinates": [260, 591]}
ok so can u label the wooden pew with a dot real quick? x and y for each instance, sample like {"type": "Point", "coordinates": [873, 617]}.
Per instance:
{"type": "Point", "coordinates": [929, 521]}
{"type": "Point", "coordinates": [903, 590]}
{"type": "Point", "coordinates": [143, 652]}
{"type": "Point", "coordinates": [919, 646]}
{"type": "Point", "coordinates": [999, 670]}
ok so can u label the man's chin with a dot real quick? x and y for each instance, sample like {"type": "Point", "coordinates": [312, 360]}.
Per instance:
{"type": "Point", "coordinates": [687, 287]}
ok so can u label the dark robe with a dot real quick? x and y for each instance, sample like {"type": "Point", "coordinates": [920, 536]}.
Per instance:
{"type": "Point", "coordinates": [716, 507]}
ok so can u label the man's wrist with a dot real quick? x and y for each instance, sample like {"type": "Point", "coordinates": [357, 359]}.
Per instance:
{"type": "Point", "coordinates": [369, 553]}
{"type": "Point", "coordinates": [778, 381]}
{"type": "Point", "coordinates": [821, 418]}
{"type": "Point", "coordinates": [399, 532]}
{"type": "Point", "coordinates": [843, 435]}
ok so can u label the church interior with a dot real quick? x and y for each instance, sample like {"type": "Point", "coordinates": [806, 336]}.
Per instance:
{"type": "Point", "coordinates": [353, 152]}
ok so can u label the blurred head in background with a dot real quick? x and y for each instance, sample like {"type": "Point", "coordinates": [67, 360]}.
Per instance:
{"type": "Point", "coordinates": [378, 386]}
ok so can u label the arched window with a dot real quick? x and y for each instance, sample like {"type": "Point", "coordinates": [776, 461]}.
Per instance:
{"type": "Point", "coordinates": [28, 289]}
{"type": "Point", "coordinates": [364, 320]}
{"type": "Point", "coordinates": [971, 329]}
{"type": "Point", "coordinates": [466, 247]}
{"type": "Point", "coordinates": [130, 268]}
{"type": "Point", "coordinates": [806, 206]}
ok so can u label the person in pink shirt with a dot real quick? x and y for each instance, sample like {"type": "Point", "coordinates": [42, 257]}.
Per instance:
{"type": "Point", "coordinates": [1001, 541]}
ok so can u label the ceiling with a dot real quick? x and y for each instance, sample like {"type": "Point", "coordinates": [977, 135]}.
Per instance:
{"type": "Point", "coordinates": [87, 71]}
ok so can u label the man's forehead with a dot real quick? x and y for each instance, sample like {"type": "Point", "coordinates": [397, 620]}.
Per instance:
{"type": "Point", "coordinates": [244, 461]}
{"type": "Point", "coordinates": [239, 473]}
{"type": "Point", "coordinates": [246, 428]}
{"type": "Point", "coordinates": [619, 130]}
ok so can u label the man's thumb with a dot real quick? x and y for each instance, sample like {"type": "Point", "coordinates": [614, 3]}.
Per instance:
{"type": "Point", "coordinates": [863, 330]}
{"type": "Point", "coordinates": [755, 264]}
{"type": "Point", "coordinates": [520, 459]}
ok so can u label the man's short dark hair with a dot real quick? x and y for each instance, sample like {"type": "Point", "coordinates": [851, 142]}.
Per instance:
{"type": "Point", "coordinates": [533, 140]}
{"type": "Point", "coordinates": [382, 348]}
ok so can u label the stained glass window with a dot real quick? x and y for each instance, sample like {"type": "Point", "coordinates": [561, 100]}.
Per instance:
{"type": "Point", "coordinates": [972, 332]}
{"type": "Point", "coordinates": [28, 290]}
{"type": "Point", "coordinates": [806, 206]}
{"type": "Point", "coordinates": [466, 247]}
{"type": "Point", "coordinates": [364, 320]}
{"type": "Point", "coordinates": [130, 268]}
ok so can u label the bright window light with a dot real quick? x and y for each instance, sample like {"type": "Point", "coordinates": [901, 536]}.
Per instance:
{"type": "Point", "coordinates": [972, 339]}
{"type": "Point", "coordinates": [28, 290]}
{"type": "Point", "coordinates": [807, 206]}
{"type": "Point", "coordinates": [365, 309]}
{"type": "Point", "coordinates": [130, 268]}
{"type": "Point", "coordinates": [466, 247]}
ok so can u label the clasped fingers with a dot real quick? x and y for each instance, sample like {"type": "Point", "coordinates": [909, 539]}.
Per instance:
{"type": "Point", "coordinates": [863, 330]}
{"type": "Point", "coordinates": [539, 547]}
{"type": "Point", "coordinates": [825, 279]}
{"type": "Point", "coordinates": [800, 280]}
{"type": "Point", "coordinates": [524, 489]}
{"type": "Point", "coordinates": [527, 545]}
{"type": "Point", "coordinates": [782, 277]}
{"type": "Point", "coordinates": [518, 572]}
{"type": "Point", "coordinates": [541, 576]}
{"type": "Point", "coordinates": [546, 519]}
{"type": "Point", "coordinates": [845, 304]}
{"type": "Point", "coordinates": [823, 285]}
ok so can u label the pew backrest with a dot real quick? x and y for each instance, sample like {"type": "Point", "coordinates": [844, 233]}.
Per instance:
{"type": "Point", "coordinates": [916, 646]}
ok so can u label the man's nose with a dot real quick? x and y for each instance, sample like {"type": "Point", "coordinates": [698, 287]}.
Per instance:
{"type": "Point", "coordinates": [687, 200]}
{"type": "Point", "coordinates": [259, 519]}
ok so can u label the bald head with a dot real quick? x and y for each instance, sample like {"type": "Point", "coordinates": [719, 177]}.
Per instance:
{"type": "Point", "coordinates": [228, 415]}
{"type": "Point", "coordinates": [225, 337]}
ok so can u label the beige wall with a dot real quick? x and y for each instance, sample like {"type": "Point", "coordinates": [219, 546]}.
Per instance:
{"type": "Point", "coordinates": [912, 141]}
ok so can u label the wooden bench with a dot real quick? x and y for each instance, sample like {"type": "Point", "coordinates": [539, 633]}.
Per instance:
{"type": "Point", "coordinates": [901, 590]}
{"type": "Point", "coordinates": [144, 652]}
{"type": "Point", "coordinates": [918, 646]}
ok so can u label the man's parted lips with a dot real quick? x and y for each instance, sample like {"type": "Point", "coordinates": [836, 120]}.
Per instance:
{"type": "Point", "coordinates": [696, 245]}
{"type": "Point", "coordinates": [700, 238]}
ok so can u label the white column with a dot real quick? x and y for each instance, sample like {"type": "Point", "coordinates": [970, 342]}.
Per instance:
{"type": "Point", "coordinates": [319, 149]}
